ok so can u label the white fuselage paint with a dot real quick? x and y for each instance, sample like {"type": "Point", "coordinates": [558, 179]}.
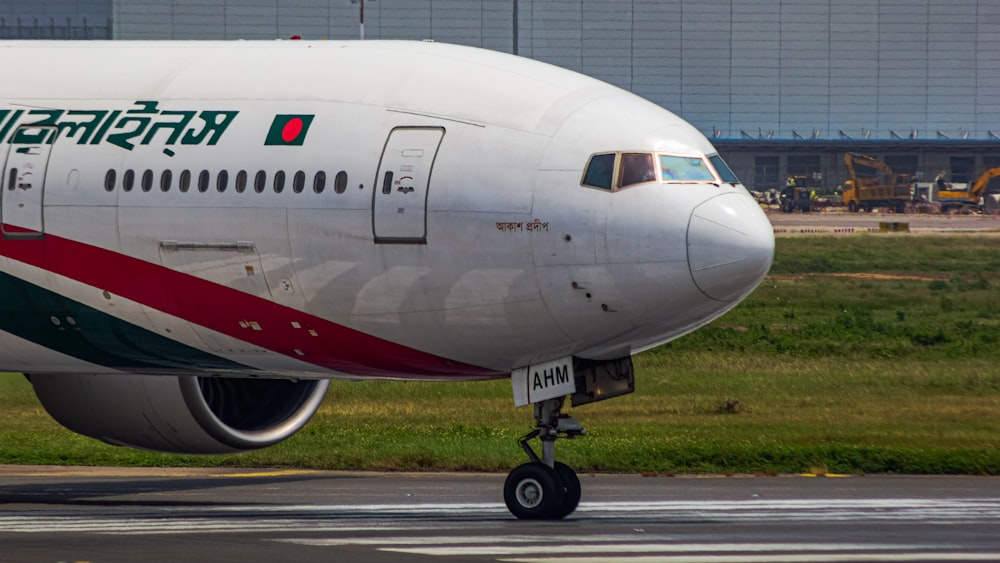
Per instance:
{"type": "Point", "coordinates": [506, 260]}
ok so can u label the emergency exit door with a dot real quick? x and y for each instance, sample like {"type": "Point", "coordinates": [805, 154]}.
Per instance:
{"type": "Point", "coordinates": [399, 209]}
{"type": "Point", "coordinates": [26, 162]}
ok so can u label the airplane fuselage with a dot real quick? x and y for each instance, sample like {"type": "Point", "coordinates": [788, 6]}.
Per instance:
{"type": "Point", "coordinates": [310, 210]}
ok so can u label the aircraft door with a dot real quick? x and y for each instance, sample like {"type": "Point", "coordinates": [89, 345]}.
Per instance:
{"type": "Point", "coordinates": [24, 181]}
{"type": "Point", "coordinates": [399, 210]}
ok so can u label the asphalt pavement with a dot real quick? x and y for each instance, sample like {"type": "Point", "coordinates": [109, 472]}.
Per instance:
{"type": "Point", "coordinates": [98, 515]}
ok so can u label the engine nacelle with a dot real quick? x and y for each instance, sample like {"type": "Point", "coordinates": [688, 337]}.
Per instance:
{"type": "Point", "coordinates": [180, 414]}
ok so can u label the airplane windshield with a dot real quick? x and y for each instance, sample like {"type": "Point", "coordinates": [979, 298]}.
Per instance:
{"type": "Point", "coordinates": [619, 170]}
{"type": "Point", "coordinates": [599, 171]}
{"type": "Point", "coordinates": [684, 169]}
{"type": "Point", "coordinates": [725, 172]}
{"type": "Point", "coordinates": [636, 169]}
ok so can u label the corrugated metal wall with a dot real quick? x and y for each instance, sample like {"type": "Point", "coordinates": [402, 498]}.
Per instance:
{"type": "Point", "coordinates": [55, 19]}
{"type": "Point", "coordinates": [60, 9]}
{"type": "Point", "coordinates": [737, 69]}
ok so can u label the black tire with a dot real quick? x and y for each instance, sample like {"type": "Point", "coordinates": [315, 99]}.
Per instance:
{"type": "Point", "coordinates": [534, 491]}
{"type": "Point", "coordinates": [571, 488]}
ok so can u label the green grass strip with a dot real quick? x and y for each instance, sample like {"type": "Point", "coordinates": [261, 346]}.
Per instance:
{"type": "Point", "coordinates": [862, 354]}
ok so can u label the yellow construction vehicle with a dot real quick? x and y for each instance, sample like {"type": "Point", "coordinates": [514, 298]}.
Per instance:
{"type": "Point", "coordinates": [980, 190]}
{"type": "Point", "coordinates": [796, 195]}
{"type": "Point", "coordinates": [871, 183]}
{"type": "Point", "coordinates": [962, 197]}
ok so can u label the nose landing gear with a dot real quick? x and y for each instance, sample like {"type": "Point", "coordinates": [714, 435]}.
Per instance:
{"type": "Point", "coordinates": [545, 488]}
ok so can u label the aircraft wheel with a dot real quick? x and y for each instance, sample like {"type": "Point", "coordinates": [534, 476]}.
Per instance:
{"type": "Point", "coordinates": [571, 488]}
{"type": "Point", "coordinates": [534, 491]}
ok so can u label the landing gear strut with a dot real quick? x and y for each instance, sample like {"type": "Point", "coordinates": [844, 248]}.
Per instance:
{"type": "Point", "coordinates": [545, 488]}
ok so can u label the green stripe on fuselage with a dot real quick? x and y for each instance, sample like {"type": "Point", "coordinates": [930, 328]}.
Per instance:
{"type": "Point", "coordinates": [72, 328]}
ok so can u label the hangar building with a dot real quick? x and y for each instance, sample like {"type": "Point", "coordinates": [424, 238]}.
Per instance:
{"type": "Point", "coordinates": [782, 87]}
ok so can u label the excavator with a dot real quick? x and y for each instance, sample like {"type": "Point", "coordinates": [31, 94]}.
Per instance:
{"type": "Point", "coordinates": [981, 189]}
{"type": "Point", "coordinates": [876, 185]}
{"type": "Point", "coordinates": [965, 197]}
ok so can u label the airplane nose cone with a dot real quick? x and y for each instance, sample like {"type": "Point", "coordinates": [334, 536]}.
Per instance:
{"type": "Point", "coordinates": [730, 246]}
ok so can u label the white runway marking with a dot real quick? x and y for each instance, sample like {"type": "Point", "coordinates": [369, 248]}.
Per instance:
{"type": "Point", "coordinates": [773, 558]}
{"type": "Point", "coordinates": [848, 509]}
{"type": "Point", "coordinates": [458, 532]}
{"type": "Point", "coordinates": [138, 525]}
{"type": "Point", "coordinates": [628, 546]}
{"type": "Point", "coordinates": [585, 550]}
{"type": "Point", "coordinates": [376, 517]}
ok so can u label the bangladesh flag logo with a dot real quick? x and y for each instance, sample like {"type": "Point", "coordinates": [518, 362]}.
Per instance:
{"type": "Point", "coordinates": [288, 130]}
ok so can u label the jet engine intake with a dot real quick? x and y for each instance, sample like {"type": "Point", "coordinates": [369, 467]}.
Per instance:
{"type": "Point", "coordinates": [180, 414]}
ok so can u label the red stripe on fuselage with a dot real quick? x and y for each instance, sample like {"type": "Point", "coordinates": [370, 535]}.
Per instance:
{"type": "Point", "coordinates": [246, 317]}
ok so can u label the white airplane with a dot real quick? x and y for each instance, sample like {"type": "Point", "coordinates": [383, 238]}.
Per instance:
{"type": "Point", "coordinates": [197, 236]}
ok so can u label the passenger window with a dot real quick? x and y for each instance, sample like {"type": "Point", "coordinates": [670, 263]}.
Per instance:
{"type": "Point", "coordinates": [279, 181]}
{"type": "Point", "coordinates": [636, 168]}
{"type": "Point", "coordinates": [340, 182]}
{"type": "Point", "coordinates": [298, 182]}
{"type": "Point", "coordinates": [12, 180]}
{"type": "Point", "coordinates": [319, 182]}
{"type": "Point", "coordinates": [165, 180]}
{"type": "Point", "coordinates": [387, 183]}
{"type": "Point", "coordinates": [684, 169]}
{"type": "Point", "coordinates": [147, 180]}
{"type": "Point", "coordinates": [128, 182]}
{"type": "Point", "coordinates": [222, 181]}
{"type": "Point", "coordinates": [260, 181]}
{"type": "Point", "coordinates": [184, 182]}
{"type": "Point", "coordinates": [599, 171]}
{"type": "Point", "coordinates": [723, 169]}
{"type": "Point", "coordinates": [203, 180]}
{"type": "Point", "coordinates": [241, 181]}
{"type": "Point", "coordinates": [109, 180]}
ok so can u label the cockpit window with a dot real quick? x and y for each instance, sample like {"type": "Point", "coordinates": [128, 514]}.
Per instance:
{"type": "Point", "coordinates": [620, 170]}
{"type": "Point", "coordinates": [723, 169]}
{"type": "Point", "coordinates": [600, 170]}
{"type": "Point", "coordinates": [684, 169]}
{"type": "Point", "coordinates": [636, 169]}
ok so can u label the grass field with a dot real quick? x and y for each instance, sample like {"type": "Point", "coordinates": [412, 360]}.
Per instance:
{"type": "Point", "coordinates": [862, 354]}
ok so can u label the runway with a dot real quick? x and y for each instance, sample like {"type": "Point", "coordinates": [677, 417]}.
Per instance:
{"type": "Point", "coordinates": [840, 223]}
{"type": "Point", "coordinates": [50, 514]}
